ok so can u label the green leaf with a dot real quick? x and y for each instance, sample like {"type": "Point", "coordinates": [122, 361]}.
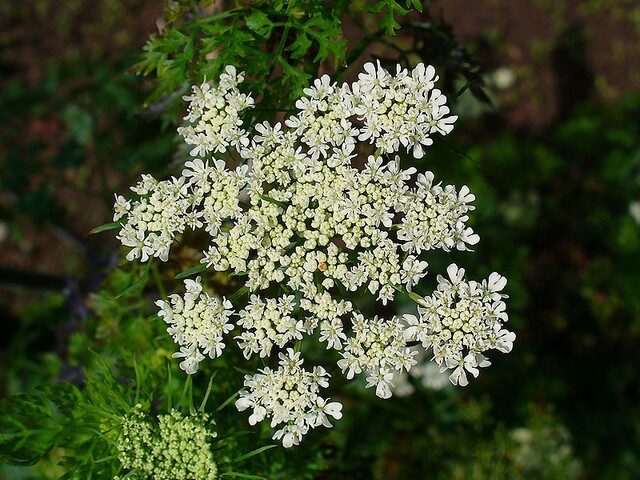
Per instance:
{"type": "Point", "coordinates": [106, 227]}
{"type": "Point", "coordinates": [300, 46]}
{"type": "Point", "coordinates": [79, 123]}
{"type": "Point", "coordinates": [327, 33]}
{"type": "Point", "coordinates": [206, 395]}
{"type": "Point", "coordinates": [296, 80]}
{"type": "Point", "coordinates": [138, 286]}
{"type": "Point", "coordinates": [186, 402]}
{"type": "Point", "coordinates": [242, 475]}
{"type": "Point", "coordinates": [260, 23]}
{"type": "Point", "coordinates": [169, 56]}
{"type": "Point", "coordinates": [417, 4]}
{"type": "Point", "coordinates": [267, 198]}
{"type": "Point", "coordinates": [252, 453]}
{"type": "Point", "coordinates": [239, 294]}
{"type": "Point", "coordinates": [30, 424]}
{"type": "Point", "coordinates": [392, 8]}
{"type": "Point", "coordinates": [191, 271]}
{"type": "Point", "coordinates": [228, 401]}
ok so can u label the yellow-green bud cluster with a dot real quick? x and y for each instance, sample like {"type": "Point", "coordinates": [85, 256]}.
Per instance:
{"type": "Point", "coordinates": [176, 447]}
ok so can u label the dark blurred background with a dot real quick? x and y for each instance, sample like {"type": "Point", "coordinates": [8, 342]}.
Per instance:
{"type": "Point", "coordinates": [553, 157]}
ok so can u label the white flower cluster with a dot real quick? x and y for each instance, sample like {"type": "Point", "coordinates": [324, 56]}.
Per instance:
{"type": "Point", "coordinates": [379, 349]}
{"type": "Point", "coordinates": [426, 372]}
{"type": "Point", "coordinates": [268, 322]}
{"type": "Point", "coordinates": [197, 322]}
{"type": "Point", "coordinates": [213, 119]}
{"type": "Point", "coordinates": [437, 218]}
{"type": "Point", "coordinates": [312, 225]}
{"type": "Point", "coordinates": [402, 109]}
{"type": "Point", "coordinates": [289, 396]}
{"type": "Point", "coordinates": [153, 221]}
{"type": "Point", "coordinates": [460, 320]}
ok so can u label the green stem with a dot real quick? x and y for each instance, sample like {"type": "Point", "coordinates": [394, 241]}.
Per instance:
{"type": "Point", "coordinates": [222, 15]}
{"type": "Point", "coordinates": [280, 49]}
{"type": "Point", "coordinates": [158, 280]}
{"type": "Point", "coordinates": [412, 295]}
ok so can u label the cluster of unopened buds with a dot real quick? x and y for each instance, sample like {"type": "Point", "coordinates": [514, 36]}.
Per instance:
{"type": "Point", "coordinates": [315, 227]}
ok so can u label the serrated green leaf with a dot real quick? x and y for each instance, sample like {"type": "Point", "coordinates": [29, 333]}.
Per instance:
{"type": "Point", "coordinates": [300, 46]}
{"type": "Point", "coordinates": [391, 8]}
{"type": "Point", "coordinates": [259, 22]}
{"type": "Point", "coordinates": [169, 55]}
{"type": "Point", "coordinates": [296, 79]}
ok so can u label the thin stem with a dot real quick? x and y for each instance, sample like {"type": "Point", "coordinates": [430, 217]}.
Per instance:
{"type": "Point", "coordinates": [158, 280]}
{"type": "Point", "coordinates": [278, 54]}
{"type": "Point", "coordinates": [412, 295]}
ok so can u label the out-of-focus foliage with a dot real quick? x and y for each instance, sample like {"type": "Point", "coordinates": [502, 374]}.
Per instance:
{"type": "Point", "coordinates": [85, 141]}
{"type": "Point", "coordinates": [72, 132]}
{"type": "Point", "coordinates": [554, 211]}
{"type": "Point", "coordinates": [539, 450]}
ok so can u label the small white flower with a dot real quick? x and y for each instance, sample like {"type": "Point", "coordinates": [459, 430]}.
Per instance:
{"type": "Point", "coordinates": [289, 396]}
{"type": "Point", "coordinates": [323, 410]}
{"type": "Point", "coordinates": [460, 368]}
{"type": "Point", "coordinates": [191, 359]}
{"type": "Point", "coordinates": [459, 321]}
{"type": "Point", "coordinates": [504, 340]}
{"type": "Point", "coordinates": [197, 322]}
{"type": "Point", "coordinates": [332, 332]}
{"type": "Point", "coordinates": [120, 208]}
{"type": "Point", "coordinates": [412, 271]}
{"type": "Point", "coordinates": [382, 380]}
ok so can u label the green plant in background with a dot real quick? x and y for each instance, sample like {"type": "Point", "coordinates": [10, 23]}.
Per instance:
{"type": "Point", "coordinates": [284, 44]}
{"type": "Point", "coordinates": [539, 450]}
{"type": "Point", "coordinates": [561, 229]}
